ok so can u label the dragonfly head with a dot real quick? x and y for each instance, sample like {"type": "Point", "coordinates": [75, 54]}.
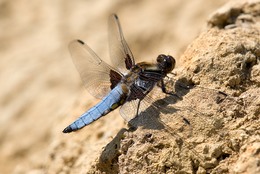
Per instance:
{"type": "Point", "coordinates": [166, 63]}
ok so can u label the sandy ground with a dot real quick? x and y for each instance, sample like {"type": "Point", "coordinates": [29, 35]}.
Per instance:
{"type": "Point", "coordinates": [41, 91]}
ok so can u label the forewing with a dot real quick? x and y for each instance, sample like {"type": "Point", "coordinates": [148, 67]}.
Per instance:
{"type": "Point", "coordinates": [120, 54]}
{"type": "Point", "coordinates": [97, 76]}
{"type": "Point", "coordinates": [197, 105]}
{"type": "Point", "coordinates": [155, 112]}
{"type": "Point", "coordinates": [181, 115]}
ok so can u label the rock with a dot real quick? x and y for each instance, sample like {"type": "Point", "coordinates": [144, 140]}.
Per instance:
{"type": "Point", "coordinates": [221, 105]}
{"type": "Point", "coordinates": [222, 57]}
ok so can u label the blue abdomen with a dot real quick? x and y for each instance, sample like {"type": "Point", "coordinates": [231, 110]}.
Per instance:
{"type": "Point", "coordinates": [102, 108]}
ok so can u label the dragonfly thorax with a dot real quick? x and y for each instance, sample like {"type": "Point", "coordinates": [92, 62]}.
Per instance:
{"type": "Point", "coordinates": [144, 84]}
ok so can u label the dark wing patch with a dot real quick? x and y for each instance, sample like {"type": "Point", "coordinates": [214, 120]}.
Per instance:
{"type": "Point", "coordinates": [115, 78]}
{"type": "Point", "coordinates": [128, 62]}
{"type": "Point", "coordinates": [136, 93]}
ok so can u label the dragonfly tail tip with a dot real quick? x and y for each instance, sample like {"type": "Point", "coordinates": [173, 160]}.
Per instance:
{"type": "Point", "coordinates": [67, 130]}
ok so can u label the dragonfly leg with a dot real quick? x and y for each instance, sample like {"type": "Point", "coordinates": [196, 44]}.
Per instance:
{"type": "Point", "coordinates": [137, 110]}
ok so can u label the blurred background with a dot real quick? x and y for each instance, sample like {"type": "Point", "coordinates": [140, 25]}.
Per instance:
{"type": "Point", "coordinates": [40, 87]}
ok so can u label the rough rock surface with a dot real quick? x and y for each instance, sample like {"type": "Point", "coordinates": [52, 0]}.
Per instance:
{"type": "Point", "coordinates": [226, 136]}
{"type": "Point", "coordinates": [38, 88]}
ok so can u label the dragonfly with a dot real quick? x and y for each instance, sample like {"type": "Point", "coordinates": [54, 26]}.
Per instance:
{"type": "Point", "coordinates": [134, 87]}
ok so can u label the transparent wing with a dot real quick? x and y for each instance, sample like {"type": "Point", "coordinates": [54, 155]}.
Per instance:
{"type": "Point", "coordinates": [120, 54]}
{"type": "Point", "coordinates": [197, 104]}
{"type": "Point", "coordinates": [155, 112]}
{"type": "Point", "coordinates": [97, 76]}
{"type": "Point", "coordinates": [180, 112]}
{"type": "Point", "coordinates": [209, 98]}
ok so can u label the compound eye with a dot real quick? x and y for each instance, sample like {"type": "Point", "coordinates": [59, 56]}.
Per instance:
{"type": "Point", "coordinates": [170, 63]}
{"type": "Point", "coordinates": [161, 58]}
{"type": "Point", "coordinates": [166, 63]}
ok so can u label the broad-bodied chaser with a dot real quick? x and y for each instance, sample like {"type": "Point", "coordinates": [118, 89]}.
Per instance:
{"type": "Point", "coordinates": [127, 84]}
